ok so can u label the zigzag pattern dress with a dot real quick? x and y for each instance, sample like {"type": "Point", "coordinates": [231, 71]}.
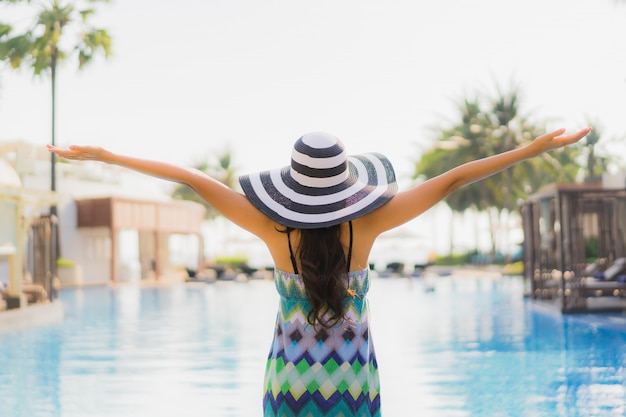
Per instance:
{"type": "Point", "coordinates": [312, 371]}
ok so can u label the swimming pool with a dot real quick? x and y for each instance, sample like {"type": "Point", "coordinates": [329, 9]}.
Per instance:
{"type": "Point", "coordinates": [471, 347]}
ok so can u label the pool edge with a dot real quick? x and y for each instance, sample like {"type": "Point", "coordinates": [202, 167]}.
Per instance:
{"type": "Point", "coordinates": [31, 316]}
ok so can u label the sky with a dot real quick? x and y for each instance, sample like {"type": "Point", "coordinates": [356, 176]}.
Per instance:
{"type": "Point", "coordinates": [189, 79]}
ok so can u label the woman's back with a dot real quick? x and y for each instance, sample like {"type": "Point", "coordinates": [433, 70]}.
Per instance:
{"type": "Point", "coordinates": [317, 370]}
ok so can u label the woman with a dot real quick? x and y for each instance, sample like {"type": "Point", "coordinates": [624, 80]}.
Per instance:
{"type": "Point", "coordinates": [319, 218]}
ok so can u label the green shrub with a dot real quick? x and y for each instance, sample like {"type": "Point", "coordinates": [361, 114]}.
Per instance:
{"type": "Point", "coordinates": [515, 268]}
{"type": "Point", "coordinates": [452, 259]}
{"type": "Point", "coordinates": [65, 263]}
{"type": "Point", "coordinates": [233, 262]}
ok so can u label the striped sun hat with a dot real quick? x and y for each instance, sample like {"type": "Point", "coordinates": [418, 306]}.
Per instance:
{"type": "Point", "coordinates": [323, 186]}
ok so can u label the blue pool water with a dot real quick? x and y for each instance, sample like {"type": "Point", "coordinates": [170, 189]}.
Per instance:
{"type": "Point", "coordinates": [471, 347]}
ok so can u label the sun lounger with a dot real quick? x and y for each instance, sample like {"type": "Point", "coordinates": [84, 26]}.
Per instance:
{"type": "Point", "coordinates": [612, 272]}
{"type": "Point", "coordinates": [611, 281]}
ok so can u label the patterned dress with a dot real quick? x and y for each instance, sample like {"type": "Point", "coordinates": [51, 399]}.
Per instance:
{"type": "Point", "coordinates": [313, 371]}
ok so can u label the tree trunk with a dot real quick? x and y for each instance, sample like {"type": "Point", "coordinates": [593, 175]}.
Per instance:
{"type": "Point", "coordinates": [492, 231]}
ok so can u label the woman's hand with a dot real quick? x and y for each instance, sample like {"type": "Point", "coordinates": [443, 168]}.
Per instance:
{"type": "Point", "coordinates": [553, 140]}
{"type": "Point", "coordinates": [82, 153]}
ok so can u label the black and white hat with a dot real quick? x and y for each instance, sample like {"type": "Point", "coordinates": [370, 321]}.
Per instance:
{"type": "Point", "coordinates": [323, 186]}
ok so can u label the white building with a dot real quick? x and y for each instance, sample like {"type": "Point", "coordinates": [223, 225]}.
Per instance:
{"type": "Point", "coordinates": [114, 224]}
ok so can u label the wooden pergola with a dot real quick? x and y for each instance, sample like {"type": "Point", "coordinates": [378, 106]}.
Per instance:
{"type": "Point", "coordinates": [26, 206]}
{"type": "Point", "coordinates": [568, 229]}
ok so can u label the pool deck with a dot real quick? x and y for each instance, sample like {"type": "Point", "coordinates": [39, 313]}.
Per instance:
{"type": "Point", "coordinates": [33, 315]}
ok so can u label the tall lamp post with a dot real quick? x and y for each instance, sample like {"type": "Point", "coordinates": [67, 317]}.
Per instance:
{"type": "Point", "coordinates": [53, 157]}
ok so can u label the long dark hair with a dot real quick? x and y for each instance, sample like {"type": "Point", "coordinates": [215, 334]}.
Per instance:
{"type": "Point", "coordinates": [323, 264]}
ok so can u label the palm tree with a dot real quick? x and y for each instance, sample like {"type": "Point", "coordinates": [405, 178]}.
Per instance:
{"type": "Point", "coordinates": [221, 169]}
{"type": "Point", "coordinates": [596, 159]}
{"type": "Point", "coordinates": [461, 143]}
{"type": "Point", "coordinates": [40, 46]}
{"type": "Point", "coordinates": [483, 132]}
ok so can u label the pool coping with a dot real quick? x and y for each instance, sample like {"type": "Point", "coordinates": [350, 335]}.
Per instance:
{"type": "Point", "coordinates": [31, 316]}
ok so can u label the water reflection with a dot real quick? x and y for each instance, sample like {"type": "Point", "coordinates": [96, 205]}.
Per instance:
{"type": "Point", "coordinates": [471, 347]}
{"type": "Point", "coordinates": [475, 348]}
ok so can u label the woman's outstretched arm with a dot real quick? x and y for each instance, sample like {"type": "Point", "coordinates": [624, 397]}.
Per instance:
{"type": "Point", "coordinates": [408, 204]}
{"type": "Point", "coordinates": [233, 205]}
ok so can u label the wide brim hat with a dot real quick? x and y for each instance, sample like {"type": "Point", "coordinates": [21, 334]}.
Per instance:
{"type": "Point", "coordinates": [322, 186]}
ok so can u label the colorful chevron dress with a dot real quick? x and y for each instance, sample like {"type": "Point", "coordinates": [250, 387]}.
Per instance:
{"type": "Point", "coordinates": [313, 371]}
